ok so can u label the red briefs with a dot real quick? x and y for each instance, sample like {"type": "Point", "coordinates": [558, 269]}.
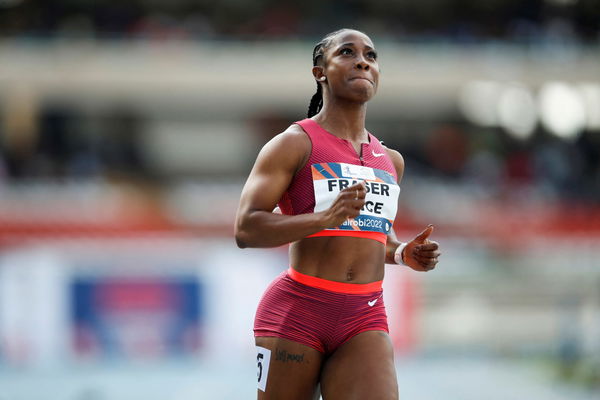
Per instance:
{"type": "Point", "coordinates": [319, 313]}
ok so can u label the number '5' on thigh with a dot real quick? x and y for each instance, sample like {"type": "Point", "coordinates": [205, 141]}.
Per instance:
{"type": "Point", "coordinates": [286, 369]}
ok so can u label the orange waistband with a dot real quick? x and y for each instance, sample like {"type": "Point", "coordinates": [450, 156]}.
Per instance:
{"type": "Point", "coordinates": [332, 286]}
{"type": "Point", "coordinates": [379, 236]}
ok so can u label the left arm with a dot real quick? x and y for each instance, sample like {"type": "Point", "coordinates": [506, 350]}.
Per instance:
{"type": "Point", "coordinates": [420, 254]}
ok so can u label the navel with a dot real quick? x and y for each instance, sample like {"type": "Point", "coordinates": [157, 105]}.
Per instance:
{"type": "Point", "coordinates": [349, 275]}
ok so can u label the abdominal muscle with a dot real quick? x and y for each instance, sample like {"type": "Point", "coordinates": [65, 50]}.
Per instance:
{"type": "Point", "coordinates": [339, 259]}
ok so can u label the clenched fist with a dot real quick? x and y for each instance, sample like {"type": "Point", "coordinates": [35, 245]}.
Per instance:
{"type": "Point", "coordinates": [421, 254]}
{"type": "Point", "coordinates": [346, 205]}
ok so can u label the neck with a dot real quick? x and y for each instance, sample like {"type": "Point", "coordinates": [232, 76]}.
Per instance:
{"type": "Point", "coordinates": [345, 120]}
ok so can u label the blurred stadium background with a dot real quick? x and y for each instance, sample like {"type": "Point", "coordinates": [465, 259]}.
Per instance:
{"type": "Point", "coordinates": [127, 130]}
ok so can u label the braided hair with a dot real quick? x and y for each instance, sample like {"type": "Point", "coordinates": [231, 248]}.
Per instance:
{"type": "Point", "coordinates": [316, 102]}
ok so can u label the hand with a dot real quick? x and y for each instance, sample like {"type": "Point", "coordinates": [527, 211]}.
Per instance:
{"type": "Point", "coordinates": [421, 254]}
{"type": "Point", "coordinates": [346, 205]}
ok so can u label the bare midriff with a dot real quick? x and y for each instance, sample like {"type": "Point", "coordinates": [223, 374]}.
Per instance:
{"type": "Point", "coordinates": [339, 259]}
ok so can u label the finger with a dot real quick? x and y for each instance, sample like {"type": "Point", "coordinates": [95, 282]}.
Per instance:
{"type": "Point", "coordinates": [359, 189]}
{"type": "Point", "coordinates": [357, 186]}
{"type": "Point", "coordinates": [430, 246]}
{"type": "Point", "coordinates": [429, 268]}
{"type": "Point", "coordinates": [360, 184]}
{"type": "Point", "coordinates": [428, 262]}
{"type": "Point", "coordinates": [428, 265]}
{"type": "Point", "coordinates": [427, 255]}
{"type": "Point", "coordinates": [421, 237]}
{"type": "Point", "coordinates": [357, 206]}
{"type": "Point", "coordinates": [350, 200]}
{"type": "Point", "coordinates": [353, 194]}
{"type": "Point", "coordinates": [353, 213]}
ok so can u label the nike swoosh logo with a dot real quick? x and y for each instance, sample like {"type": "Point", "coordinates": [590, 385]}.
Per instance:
{"type": "Point", "coordinates": [372, 302]}
{"type": "Point", "coordinates": [376, 154]}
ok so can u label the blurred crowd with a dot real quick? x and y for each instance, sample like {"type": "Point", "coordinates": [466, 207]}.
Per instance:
{"type": "Point", "coordinates": [58, 141]}
{"type": "Point", "coordinates": [547, 168]}
{"type": "Point", "coordinates": [455, 20]}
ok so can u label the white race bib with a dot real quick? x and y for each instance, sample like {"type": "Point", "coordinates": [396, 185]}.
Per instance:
{"type": "Point", "coordinates": [381, 202]}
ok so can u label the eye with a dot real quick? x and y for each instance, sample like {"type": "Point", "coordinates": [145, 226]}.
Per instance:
{"type": "Point", "coordinates": [346, 51]}
{"type": "Point", "coordinates": [372, 55]}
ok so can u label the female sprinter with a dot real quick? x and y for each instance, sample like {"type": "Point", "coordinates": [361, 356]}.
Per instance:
{"type": "Point", "coordinates": [323, 321]}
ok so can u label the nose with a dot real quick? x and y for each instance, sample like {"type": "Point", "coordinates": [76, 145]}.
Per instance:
{"type": "Point", "coordinates": [361, 63]}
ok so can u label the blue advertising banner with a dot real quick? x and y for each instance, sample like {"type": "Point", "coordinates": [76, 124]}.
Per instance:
{"type": "Point", "coordinates": [136, 318]}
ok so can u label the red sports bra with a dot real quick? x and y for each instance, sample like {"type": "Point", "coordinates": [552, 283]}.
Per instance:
{"type": "Point", "coordinates": [333, 165]}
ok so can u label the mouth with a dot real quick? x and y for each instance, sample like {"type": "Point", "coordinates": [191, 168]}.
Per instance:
{"type": "Point", "coordinates": [362, 78]}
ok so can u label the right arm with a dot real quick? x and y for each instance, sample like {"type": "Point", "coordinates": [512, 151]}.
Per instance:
{"type": "Point", "coordinates": [277, 163]}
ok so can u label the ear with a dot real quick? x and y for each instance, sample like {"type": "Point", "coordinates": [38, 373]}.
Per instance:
{"type": "Point", "coordinates": [318, 72]}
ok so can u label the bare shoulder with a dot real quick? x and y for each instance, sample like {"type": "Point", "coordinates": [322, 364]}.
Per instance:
{"type": "Point", "coordinates": [290, 148]}
{"type": "Point", "coordinates": [397, 160]}
{"type": "Point", "coordinates": [292, 139]}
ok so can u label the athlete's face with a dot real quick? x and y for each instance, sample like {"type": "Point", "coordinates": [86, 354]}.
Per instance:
{"type": "Point", "coordinates": [351, 67]}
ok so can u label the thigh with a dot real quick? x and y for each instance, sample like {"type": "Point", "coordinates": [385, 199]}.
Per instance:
{"type": "Point", "coordinates": [362, 368]}
{"type": "Point", "coordinates": [293, 371]}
